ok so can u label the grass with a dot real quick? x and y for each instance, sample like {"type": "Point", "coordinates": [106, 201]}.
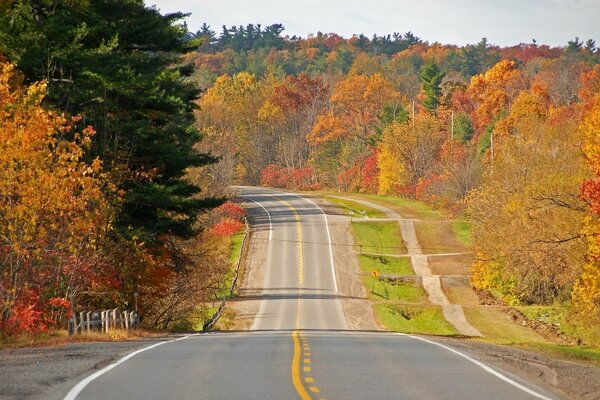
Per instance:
{"type": "Point", "coordinates": [462, 231]}
{"type": "Point", "coordinates": [378, 237]}
{"type": "Point", "coordinates": [236, 248]}
{"type": "Point", "coordinates": [558, 315]}
{"type": "Point", "coordinates": [386, 265]}
{"type": "Point", "coordinates": [581, 353]}
{"type": "Point", "coordinates": [408, 208]}
{"type": "Point", "coordinates": [61, 337]}
{"type": "Point", "coordinates": [498, 327]}
{"type": "Point", "coordinates": [355, 209]}
{"type": "Point", "coordinates": [394, 291]}
{"type": "Point", "coordinates": [414, 319]}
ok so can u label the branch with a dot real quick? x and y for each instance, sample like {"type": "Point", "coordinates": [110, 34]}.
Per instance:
{"type": "Point", "coordinates": [559, 202]}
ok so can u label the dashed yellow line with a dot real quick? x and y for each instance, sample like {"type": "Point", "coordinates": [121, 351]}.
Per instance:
{"type": "Point", "coordinates": [296, 378]}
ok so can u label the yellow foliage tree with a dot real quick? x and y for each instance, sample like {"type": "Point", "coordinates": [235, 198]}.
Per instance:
{"type": "Point", "coordinates": [586, 294]}
{"type": "Point", "coordinates": [526, 215]}
{"type": "Point", "coordinates": [409, 153]}
{"type": "Point", "coordinates": [53, 214]}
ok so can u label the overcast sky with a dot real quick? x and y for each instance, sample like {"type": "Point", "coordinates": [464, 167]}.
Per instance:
{"type": "Point", "coordinates": [502, 22]}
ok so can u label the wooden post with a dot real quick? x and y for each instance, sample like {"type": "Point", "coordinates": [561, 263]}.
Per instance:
{"type": "Point", "coordinates": [72, 322]}
{"type": "Point", "coordinates": [106, 317]}
{"type": "Point", "coordinates": [88, 320]}
{"type": "Point", "coordinates": [114, 318]}
{"type": "Point", "coordinates": [81, 321]}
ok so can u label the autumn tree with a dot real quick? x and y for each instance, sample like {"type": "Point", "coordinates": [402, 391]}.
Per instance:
{"type": "Point", "coordinates": [527, 214]}
{"type": "Point", "coordinates": [54, 217]}
{"type": "Point", "coordinates": [586, 293]}
{"type": "Point", "coordinates": [117, 65]}
{"type": "Point", "coordinates": [494, 90]}
{"type": "Point", "coordinates": [350, 125]}
{"type": "Point", "coordinates": [409, 152]}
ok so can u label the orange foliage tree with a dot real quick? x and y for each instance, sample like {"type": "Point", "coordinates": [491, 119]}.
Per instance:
{"type": "Point", "coordinates": [494, 90]}
{"type": "Point", "coordinates": [356, 102]}
{"type": "Point", "coordinates": [53, 214]}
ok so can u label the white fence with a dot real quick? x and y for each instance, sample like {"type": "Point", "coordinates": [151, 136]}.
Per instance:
{"type": "Point", "coordinates": [103, 321]}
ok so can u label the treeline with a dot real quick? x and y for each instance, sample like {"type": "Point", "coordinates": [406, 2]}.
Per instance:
{"type": "Point", "coordinates": [496, 131]}
{"type": "Point", "coordinates": [98, 203]}
{"type": "Point", "coordinates": [256, 50]}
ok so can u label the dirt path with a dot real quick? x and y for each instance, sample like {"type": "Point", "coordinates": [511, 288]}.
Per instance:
{"type": "Point", "coordinates": [453, 313]}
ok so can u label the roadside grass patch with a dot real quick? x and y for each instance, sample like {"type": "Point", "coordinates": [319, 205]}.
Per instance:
{"type": "Point", "coordinates": [382, 237]}
{"type": "Point", "coordinates": [403, 318]}
{"type": "Point", "coordinates": [356, 209]}
{"type": "Point", "coordinates": [386, 265]}
{"type": "Point", "coordinates": [386, 290]}
{"type": "Point", "coordinates": [573, 352]}
{"type": "Point", "coordinates": [236, 248]}
{"type": "Point", "coordinates": [498, 327]}
{"type": "Point", "coordinates": [462, 231]}
{"type": "Point", "coordinates": [408, 208]}
{"type": "Point", "coordinates": [558, 315]}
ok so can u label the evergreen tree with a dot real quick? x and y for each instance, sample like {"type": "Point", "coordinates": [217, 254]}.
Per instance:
{"type": "Point", "coordinates": [112, 62]}
{"type": "Point", "coordinates": [431, 78]}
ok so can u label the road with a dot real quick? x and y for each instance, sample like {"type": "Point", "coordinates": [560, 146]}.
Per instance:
{"type": "Point", "coordinates": [298, 345]}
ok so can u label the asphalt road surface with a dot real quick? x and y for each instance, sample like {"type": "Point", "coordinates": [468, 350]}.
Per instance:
{"type": "Point", "coordinates": [298, 346]}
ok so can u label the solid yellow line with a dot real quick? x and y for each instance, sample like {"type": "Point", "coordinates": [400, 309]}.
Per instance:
{"type": "Point", "coordinates": [300, 260]}
{"type": "Point", "coordinates": [296, 378]}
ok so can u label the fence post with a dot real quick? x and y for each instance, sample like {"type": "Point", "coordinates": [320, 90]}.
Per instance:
{"type": "Point", "coordinates": [107, 320]}
{"type": "Point", "coordinates": [88, 321]}
{"type": "Point", "coordinates": [114, 318]}
{"type": "Point", "coordinates": [71, 327]}
{"type": "Point", "coordinates": [81, 320]}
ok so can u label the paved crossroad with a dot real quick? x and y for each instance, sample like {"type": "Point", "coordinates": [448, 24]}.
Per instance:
{"type": "Point", "coordinates": [298, 346]}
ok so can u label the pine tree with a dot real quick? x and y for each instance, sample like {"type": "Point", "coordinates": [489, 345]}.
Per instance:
{"type": "Point", "coordinates": [112, 62]}
{"type": "Point", "coordinates": [431, 78]}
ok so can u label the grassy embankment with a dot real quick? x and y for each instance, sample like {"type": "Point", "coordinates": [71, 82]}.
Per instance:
{"type": "Point", "coordinates": [439, 234]}
{"type": "Point", "coordinates": [400, 305]}
{"type": "Point", "coordinates": [204, 313]}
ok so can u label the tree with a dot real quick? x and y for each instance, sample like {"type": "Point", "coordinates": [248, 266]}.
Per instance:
{"type": "Point", "coordinates": [54, 216]}
{"type": "Point", "coordinates": [115, 64]}
{"type": "Point", "coordinates": [494, 90]}
{"type": "Point", "coordinates": [586, 293]}
{"type": "Point", "coordinates": [527, 214]}
{"type": "Point", "coordinates": [356, 103]}
{"type": "Point", "coordinates": [431, 78]}
{"type": "Point", "coordinates": [409, 153]}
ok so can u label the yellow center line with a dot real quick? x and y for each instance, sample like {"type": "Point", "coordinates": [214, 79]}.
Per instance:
{"type": "Point", "coordinates": [301, 347]}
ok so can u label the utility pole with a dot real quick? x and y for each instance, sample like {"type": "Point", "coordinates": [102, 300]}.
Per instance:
{"type": "Point", "coordinates": [452, 125]}
{"type": "Point", "coordinates": [492, 150]}
{"type": "Point", "coordinates": [413, 114]}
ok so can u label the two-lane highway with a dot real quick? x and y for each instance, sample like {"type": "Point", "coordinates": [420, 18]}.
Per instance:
{"type": "Point", "coordinates": [300, 288]}
{"type": "Point", "coordinates": [298, 345]}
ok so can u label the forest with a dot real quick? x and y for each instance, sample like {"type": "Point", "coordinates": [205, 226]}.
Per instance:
{"type": "Point", "coordinates": [507, 136]}
{"type": "Point", "coordinates": [121, 133]}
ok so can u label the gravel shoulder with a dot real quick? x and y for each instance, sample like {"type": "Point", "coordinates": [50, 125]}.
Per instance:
{"type": "Point", "coordinates": [573, 380]}
{"type": "Point", "coordinates": [50, 372]}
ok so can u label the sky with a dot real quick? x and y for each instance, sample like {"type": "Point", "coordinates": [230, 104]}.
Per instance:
{"type": "Point", "coordinates": [460, 22]}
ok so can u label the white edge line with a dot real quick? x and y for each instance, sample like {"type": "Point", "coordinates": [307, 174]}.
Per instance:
{"type": "Point", "coordinates": [77, 389]}
{"type": "Point", "coordinates": [328, 238]}
{"type": "Point", "coordinates": [482, 366]}
{"type": "Point", "coordinates": [268, 215]}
